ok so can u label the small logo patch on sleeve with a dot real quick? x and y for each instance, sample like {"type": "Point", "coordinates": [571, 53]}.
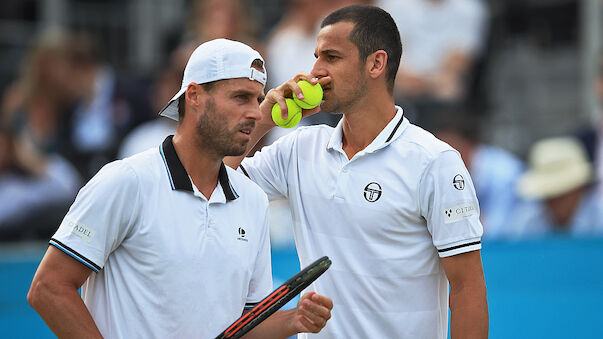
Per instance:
{"type": "Point", "coordinates": [82, 231]}
{"type": "Point", "coordinates": [459, 212]}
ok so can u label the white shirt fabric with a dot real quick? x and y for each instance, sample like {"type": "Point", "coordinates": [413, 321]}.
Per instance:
{"type": "Point", "coordinates": [430, 30]}
{"type": "Point", "coordinates": [167, 262]}
{"type": "Point", "coordinates": [384, 218]}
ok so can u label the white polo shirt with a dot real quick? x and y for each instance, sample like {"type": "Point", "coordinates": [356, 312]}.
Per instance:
{"type": "Point", "coordinates": [167, 262]}
{"type": "Point", "coordinates": [384, 218]}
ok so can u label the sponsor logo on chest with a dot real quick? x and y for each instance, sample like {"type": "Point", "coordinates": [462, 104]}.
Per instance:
{"type": "Point", "coordinates": [241, 235]}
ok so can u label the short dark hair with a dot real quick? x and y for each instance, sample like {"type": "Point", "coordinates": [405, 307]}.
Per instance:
{"type": "Point", "coordinates": [374, 29]}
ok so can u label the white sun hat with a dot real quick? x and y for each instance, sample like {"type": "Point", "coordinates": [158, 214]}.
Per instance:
{"type": "Point", "coordinates": [214, 60]}
{"type": "Point", "coordinates": [556, 166]}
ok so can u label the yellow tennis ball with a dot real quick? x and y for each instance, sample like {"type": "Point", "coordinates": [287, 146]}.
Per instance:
{"type": "Point", "coordinates": [312, 95]}
{"type": "Point", "coordinates": [294, 117]}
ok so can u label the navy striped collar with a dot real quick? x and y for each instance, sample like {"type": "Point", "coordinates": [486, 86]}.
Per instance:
{"type": "Point", "coordinates": [179, 178]}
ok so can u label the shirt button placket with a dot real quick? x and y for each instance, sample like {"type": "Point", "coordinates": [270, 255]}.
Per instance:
{"type": "Point", "coordinates": [342, 181]}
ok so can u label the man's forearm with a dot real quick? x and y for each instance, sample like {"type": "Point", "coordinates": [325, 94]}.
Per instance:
{"type": "Point", "coordinates": [277, 325]}
{"type": "Point", "coordinates": [469, 313]}
{"type": "Point", "coordinates": [64, 311]}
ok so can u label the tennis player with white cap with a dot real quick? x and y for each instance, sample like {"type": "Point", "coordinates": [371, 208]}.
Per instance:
{"type": "Point", "coordinates": [170, 243]}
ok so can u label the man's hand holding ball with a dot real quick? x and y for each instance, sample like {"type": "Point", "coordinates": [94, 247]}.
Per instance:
{"type": "Point", "coordinates": [312, 97]}
{"type": "Point", "coordinates": [294, 114]}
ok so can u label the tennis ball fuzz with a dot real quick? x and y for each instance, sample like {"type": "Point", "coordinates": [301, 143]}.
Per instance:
{"type": "Point", "coordinates": [294, 117]}
{"type": "Point", "coordinates": [312, 95]}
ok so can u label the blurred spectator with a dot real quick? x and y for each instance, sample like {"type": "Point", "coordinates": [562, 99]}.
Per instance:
{"type": "Point", "coordinates": [212, 19]}
{"type": "Point", "coordinates": [108, 107]}
{"type": "Point", "coordinates": [561, 177]}
{"type": "Point", "coordinates": [152, 133]}
{"type": "Point", "coordinates": [37, 104]}
{"type": "Point", "coordinates": [591, 135]}
{"type": "Point", "coordinates": [599, 143]}
{"type": "Point", "coordinates": [493, 170]}
{"type": "Point", "coordinates": [36, 184]}
{"type": "Point", "coordinates": [441, 39]}
{"type": "Point", "coordinates": [35, 189]}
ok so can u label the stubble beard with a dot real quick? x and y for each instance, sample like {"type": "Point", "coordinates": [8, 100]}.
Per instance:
{"type": "Point", "coordinates": [214, 136]}
{"type": "Point", "coordinates": [342, 104]}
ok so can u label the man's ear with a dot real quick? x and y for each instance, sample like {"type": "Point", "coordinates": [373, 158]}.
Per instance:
{"type": "Point", "coordinates": [376, 63]}
{"type": "Point", "coordinates": [193, 95]}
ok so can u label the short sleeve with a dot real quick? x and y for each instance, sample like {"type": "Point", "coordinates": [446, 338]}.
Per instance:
{"type": "Point", "coordinates": [261, 281]}
{"type": "Point", "coordinates": [101, 216]}
{"type": "Point", "coordinates": [449, 205]}
{"type": "Point", "coordinates": [269, 167]}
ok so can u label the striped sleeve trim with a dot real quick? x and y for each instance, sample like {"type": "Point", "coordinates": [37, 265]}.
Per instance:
{"type": "Point", "coordinates": [249, 306]}
{"type": "Point", "coordinates": [460, 248]}
{"type": "Point", "coordinates": [74, 254]}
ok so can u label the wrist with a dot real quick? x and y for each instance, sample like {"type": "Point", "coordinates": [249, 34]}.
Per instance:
{"type": "Point", "coordinates": [289, 320]}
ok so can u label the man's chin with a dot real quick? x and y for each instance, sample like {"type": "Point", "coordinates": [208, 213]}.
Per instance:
{"type": "Point", "coordinates": [326, 108]}
{"type": "Point", "coordinates": [236, 152]}
{"type": "Point", "coordinates": [329, 109]}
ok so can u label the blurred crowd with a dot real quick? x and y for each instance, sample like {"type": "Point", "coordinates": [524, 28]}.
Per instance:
{"type": "Point", "coordinates": [68, 112]}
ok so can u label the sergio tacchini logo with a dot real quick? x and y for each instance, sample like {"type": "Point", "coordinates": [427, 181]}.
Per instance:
{"type": "Point", "coordinates": [458, 182]}
{"type": "Point", "coordinates": [372, 192]}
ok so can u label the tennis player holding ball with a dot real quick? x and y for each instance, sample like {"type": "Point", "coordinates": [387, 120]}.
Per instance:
{"type": "Point", "coordinates": [169, 243]}
{"type": "Point", "coordinates": [312, 96]}
{"type": "Point", "coordinates": [391, 205]}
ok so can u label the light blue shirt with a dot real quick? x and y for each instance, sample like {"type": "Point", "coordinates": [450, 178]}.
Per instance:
{"type": "Point", "coordinates": [495, 173]}
{"type": "Point", "coordinates": [535, 220]}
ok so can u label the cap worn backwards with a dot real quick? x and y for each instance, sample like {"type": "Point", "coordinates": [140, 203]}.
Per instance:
{"type": "Point", "coordinates": [214, 60]}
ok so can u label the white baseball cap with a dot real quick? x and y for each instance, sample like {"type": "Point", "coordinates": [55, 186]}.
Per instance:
{"type": "Point", "coordinates": [214, 60]}
{"type": "Point", "coordinates": [557, 166]}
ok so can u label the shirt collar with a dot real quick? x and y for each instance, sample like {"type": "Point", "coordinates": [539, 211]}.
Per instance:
{"type": "Point", "coordinates": [179, 178]}
{"type": "Point", "coordinates": [390, 133]}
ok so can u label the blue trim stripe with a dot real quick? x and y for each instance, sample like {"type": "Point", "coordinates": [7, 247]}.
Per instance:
{"type": "Point", "coordinates": [233, 190]}
{"type": "Point", "coordinates": [167, 169]}
{"type": "Point", "coordinates": [73, 255]}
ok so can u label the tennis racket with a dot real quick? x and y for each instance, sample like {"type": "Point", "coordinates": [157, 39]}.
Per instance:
{"type": "Point", "coordinates": [276, 299]}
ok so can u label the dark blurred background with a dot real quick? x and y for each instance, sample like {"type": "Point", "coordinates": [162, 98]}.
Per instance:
{"type": "Point", "coordinates": [515, 86]}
